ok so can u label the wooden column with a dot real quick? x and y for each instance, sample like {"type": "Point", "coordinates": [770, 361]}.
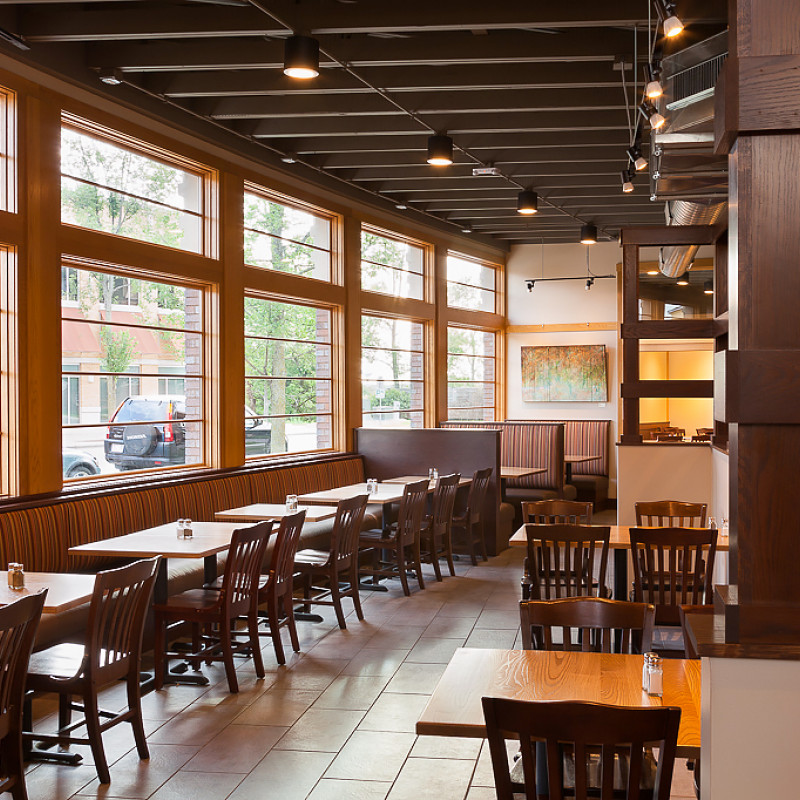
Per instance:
{"type": "Point", "coordinates": [758, 124]}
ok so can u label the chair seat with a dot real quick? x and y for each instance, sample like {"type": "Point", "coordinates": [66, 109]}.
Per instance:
{"type": "Point", "coordinates": [192, 599]}
{"type": "Point", "coordinates": [312, 558]}
{"type": "Point", "coordinates": [375, 537]}
{"type": "Point", "coordinates": [62, 661]}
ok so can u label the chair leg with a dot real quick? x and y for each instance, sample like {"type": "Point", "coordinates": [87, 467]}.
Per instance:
{"type": "Point", "coordinates": [469, 536]}
{"type": "Point", "coordinates": [227, 658]}
{"type": "Point", "coordinates": [160, 652]}
{"type": "Point", "coordinates": [482, 542]}
{"type": "Point", "coordinates": [64, 714]}
{"type": "Point", "coordinates": [274, 628]}
{"type": "Point", "coordinates": [434, 551]}
{"type": "Point", "coordinates": [288, 610]}
{"type": "Point", "coordinates": [13, 764]}
{"type": "Point", "coordinates": [448, 551]}
{"type": "Point", "coordinates": [336, 597]}
{"type": "Point", "coordinates": [418, 564]}
{"type": "Point", "coordinates": [135, 705]}
{"type": "Point", "coordinates": [255, 645]}
{"type": "Point", "coordinates": [401, 568]}
{"type": "Point", "coordinates": [354, 590]}
{"type": "Point", "coordinates": [95, 736]}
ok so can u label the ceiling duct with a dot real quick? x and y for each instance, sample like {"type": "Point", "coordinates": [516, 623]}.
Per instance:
{"type": "Point", "coordinates": [675, 261]}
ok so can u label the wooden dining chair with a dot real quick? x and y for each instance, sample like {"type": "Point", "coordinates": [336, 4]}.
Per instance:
{"type": "Point", "coordinates": [587, 624]}
{"type": "Point", "coordinates": [18, 623]}
{"type": "Point", "coordinates": [470, 520]}
{"type": "Point", "coordinates": [565, 561]}
{"type": "Point", "coordinates": [112, 652]}
{"type": "Point", "coordinates": [557, 512]}
{"type": "Point", "coordinates": [672, 567]}
{"type": "Point", "coordinates": [276, 588]}
{"type": "Point", "coordinates": [670, 513]}
{"type": "Point", "coordinates": [400, 538]}
{"type": "Point", "coordinates": [580, 733]}
{"type": "Point", "coordinates": [337, 563]}
{"type": "Point", "coordinates": [436, 529]}
{"type": "Point", "coordinates": [237, 597]}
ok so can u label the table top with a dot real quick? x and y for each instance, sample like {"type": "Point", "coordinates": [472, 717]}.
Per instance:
{"type": "Point", "coordinates": [386, 493]}
{"type": "Point", "coordinates": [258, 512]}
{"type": "Point", "coordinates": [520, 472]}
{"type": "Point", "coordinates": [572, 459]}
{"type": "Point", "coordinates": [65, 590]}
{"type": "Point", "coordinates": [208, 539]}
{"type": "Point", "coordinates": [619, 540]}
{"type": "Point", "coordinates": [404, 479]}
{"type": "Point", "coordinates": [454, 708]}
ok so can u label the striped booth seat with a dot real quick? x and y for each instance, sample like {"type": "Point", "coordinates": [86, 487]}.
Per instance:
{"type": "Point", "coordinates": [39, 533]}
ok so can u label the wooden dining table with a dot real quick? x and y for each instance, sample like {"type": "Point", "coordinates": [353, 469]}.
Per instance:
{"type": "Point", "coordinates": [571, 460]}
{"type": "Point", "coordinates": [259, 512]}
{"type": "Point", "coordinates": [384, 494]}
{"type": "Point", "coordinates": [454, 708]}
{"type": "Point", "coordinates": [619, 544]}
{"type": "Point", "coordinates": [65, 590]}
{"type": "Point", "coordinates": [404, 479]}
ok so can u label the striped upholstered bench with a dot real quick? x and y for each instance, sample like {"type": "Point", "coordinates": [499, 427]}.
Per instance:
{"type": "Point", "coordinates": [39, 533]}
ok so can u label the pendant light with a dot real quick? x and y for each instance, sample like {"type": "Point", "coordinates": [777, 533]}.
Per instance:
{"type": "Point", "coordinates": [708, 287]}
{"type": "Point", "coordinates": [672, 24]}
{"type": "Point", "coordinates": [440, 150]}
{"type": "Point", "coordinates": [627, 181]}
{"type": "Point", "coordinates": [637, 159]}
{"type": "Point", "coordinates": [588, 234]}
{"type": "Point", "coordinates": [527, 202]}
{"type": "Point", "coordinates": [649, 112]}
{"type": "Point", "coordinates": [301, 57]}
{"type": "Point", "coordinates": [653, 90]}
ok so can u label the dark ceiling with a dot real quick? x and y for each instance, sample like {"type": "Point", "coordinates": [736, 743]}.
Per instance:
{"type": "Point", "coordinates": [528, 87]}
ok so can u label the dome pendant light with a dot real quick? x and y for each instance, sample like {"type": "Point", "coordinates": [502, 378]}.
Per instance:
{"type": "Point", "coordinates": [588, 234]}
{"type": "Point", "coordinates": [440, 150]}
{"type": "Point", "coordinates": [301, 57]}
{"type": "Point", "coordinates": [527, 202]}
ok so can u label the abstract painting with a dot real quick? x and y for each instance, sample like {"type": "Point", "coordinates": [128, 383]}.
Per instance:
{"type": "Point", "coordinates": [575, 373]}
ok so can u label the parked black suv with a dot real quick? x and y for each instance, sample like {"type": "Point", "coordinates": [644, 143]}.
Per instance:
{"type": "Point", "coordinates": [162, 443]}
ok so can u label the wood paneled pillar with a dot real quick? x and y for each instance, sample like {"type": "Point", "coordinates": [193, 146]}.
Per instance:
{"type": "Point", "coordinates": [758, 124]}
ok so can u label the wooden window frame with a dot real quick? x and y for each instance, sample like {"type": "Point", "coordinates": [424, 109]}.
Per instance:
{"type": "Point", "coordinates": [496, 358]}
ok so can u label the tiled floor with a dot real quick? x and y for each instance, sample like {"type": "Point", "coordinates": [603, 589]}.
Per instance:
{"type": "Point", "coordinates": [336, 722]}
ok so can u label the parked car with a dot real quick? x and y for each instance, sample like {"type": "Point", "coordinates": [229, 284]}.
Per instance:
{"type": "Point", "coordinates": [78, 463]}
{"type": "Point", "coordinates": [164, 442]}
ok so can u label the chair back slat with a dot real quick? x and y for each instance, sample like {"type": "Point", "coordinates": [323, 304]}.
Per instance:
{"type": "Point", "coordinates": [670, 514]}
{"type": "Point", "coordinates": [477, 494]}
{"type": "Point", "coordinates": [588, 734]}
{"type": "Point", "coordinates": [287, 540]}
{"type": "Point", "coordinates": [444, 500]}
{"type": "Point", "coordinates": [673, 567]}
{"type": "Point", "coordinates": [243, 568]}
{"type": "Point", "coordinates": [557, 512]}
{"type": "Point", "coordinates": [346, 529]}
{"type": "Point", "coordinates": [586, 623]}
{"type": "Point", "coordinates": [564, 560]}
{"type": "Point", "coordinates": [412, 508]}
{"type": "Point", "coordinates": [117, 612]}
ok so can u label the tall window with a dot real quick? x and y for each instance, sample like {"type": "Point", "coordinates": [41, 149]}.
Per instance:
{"type": "Point", "coordinates": [286, 238]}
{"type": "Point", "coordinates": [392, 265]}
{"type": "Point", "coordinates": [288, 377]}
{"type": "Point", "coordinates": [8, 370]}
{"type": "Point", "coordinates": [471, 374]}
{"type": "Point", "coordinates": [116, 405]}
{"type": "Point", "coordinates": [471, 284]}
{"type": "Point", "coordinates": [125, 189]}
{"type": "Point", "coordinates": [392, 372]}
{"type": "Point", "coordinates": [8, 150]}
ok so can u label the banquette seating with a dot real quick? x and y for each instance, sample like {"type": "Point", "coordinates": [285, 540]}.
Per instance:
{"type": "Point", "coordinates": [38, 533]}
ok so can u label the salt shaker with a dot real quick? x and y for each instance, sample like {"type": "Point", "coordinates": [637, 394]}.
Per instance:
{"type": "Point", "coordinates": [646, 672]}
{"type": "Point", "coordinates": [187, 529]}
{"type": "Point", "coordinates": [656, 676]}
{"type": "Point", "coordinates": [435, 476]}
{"type": "Point", "coordinates": [16, 577]}
{"type": "Point", "coordinates": [372, 485]}
{"type": "Point", "coordinates": [712, 523]}
{"type": "Point", "coordinates": [724, 530]}
{"type": "Point", "coordinates": [181, 528]}
{"type": "Point", "coordinates": [291, 503]}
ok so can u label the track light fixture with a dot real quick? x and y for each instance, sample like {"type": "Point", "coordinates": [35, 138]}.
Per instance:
{"type": "Point", "coordinates": [589, 283]}
{"type": "Point", "coordinates": [301, 57]}
{"type": "Point", "coordinates": [588, 234]}
{"type": "Point", "coordinates": [440, 150]}
{"type": "Point", "coordinates": [627, 181]}
{"type": "Point", "coordinates": [637, 159]}
{"type": "Point", "coordinates": [649, 112]}
{"type": "Point", "coordinates": [653, 89]}
{"type": "Point", "coordinates": [527, 202]}
{"type": "Point", "coordinates": [672, 24]}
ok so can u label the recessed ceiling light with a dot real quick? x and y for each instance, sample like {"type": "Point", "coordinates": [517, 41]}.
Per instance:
{"type": "Point", "coordinates": [400, 206]}
{"type": "Point", "coordinates": [111, 77]}
{"type": "Point", "coordinates": [287, 159]}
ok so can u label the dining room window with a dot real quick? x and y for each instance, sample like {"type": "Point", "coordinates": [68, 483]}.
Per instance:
{"type": "Point", "coordinates": [471, 283]}
{"type": "Point", "coordinates": [391, 264]}
{"type": "Point", "coordinates": [116, 405]}
{"type": "Point", "coordinates": [8, 370]}
{"type": "Point", "coordinates": [115, 184]}
{"type": "Point", "coordinates": [392, 372]}
{"type": "Point", "coordinates": [290, 404]}
{"type": "Point", "coordinates": [8, 150]}
{"type": "Point", "coordinates": [287, 236]}
{"type": "Point", "coordinates": [471, 374]}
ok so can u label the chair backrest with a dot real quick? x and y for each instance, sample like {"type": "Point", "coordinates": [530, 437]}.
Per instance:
{"type": "Point", "coordinates": [557, 512]}
{"type": "Point", "coordinates": [346, 529]}
{"type": "Point", "coordinates": [581, 729]}
{"type": "Point", "coordinates": [444, 500]}
{"type": "Point", "coordinates": [672, 567]}
{"type": "Point", "coordinates": [477, 495]}
{"type": "Point", "coordinates": [592, 620]}
{"type": "Point", "coordinates": [117, 613]}
{"type": "Point", "coordinates": [18, 623]}
{"type": "Point", "coordinates": [412, 507]}
{"type": "Point", "coordinates": [287, 540]}
{"type": "Point", "coordinates": [670, 513]}
{"type": "Point", "coordinates": [669, 437]}
{"type": "Point", "coordinates": [567, 560]}
{"type": "Point", "coordinates": [243, 569]}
